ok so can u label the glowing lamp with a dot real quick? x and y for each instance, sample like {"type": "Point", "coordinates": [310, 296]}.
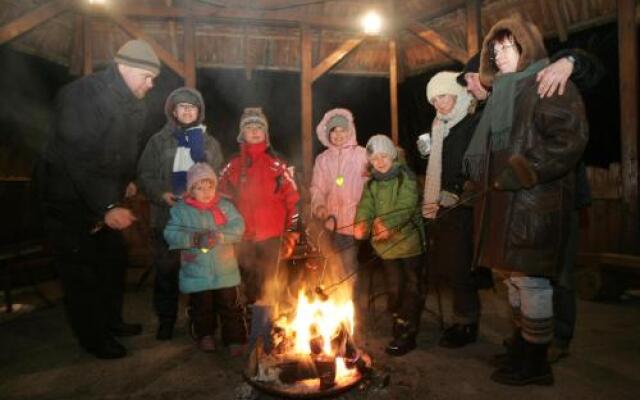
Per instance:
{"type": "Point", "coordinates": [371, 23]}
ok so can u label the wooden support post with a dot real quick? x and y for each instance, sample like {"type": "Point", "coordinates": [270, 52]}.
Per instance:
{"type": "Point", "coordinates": [189, 50]}
{"type": "Point", "coordinates": [77, 45]}
{"type": "Point", "coordinates": [393, 88]}
{"type": "Point", "coordinates": [31, 19]}
{"type": "Point", "coordinates": [628, 54]}
{"type": "Point", "coordinates": [474, 27]}
{"type": "Point", "coordinates": [306, 103]}
{"type": "Point", "coordinates": [87, 45]}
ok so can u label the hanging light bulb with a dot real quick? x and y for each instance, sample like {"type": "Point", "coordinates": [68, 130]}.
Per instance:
{"type": "Point", "coordinates": [371, 23]}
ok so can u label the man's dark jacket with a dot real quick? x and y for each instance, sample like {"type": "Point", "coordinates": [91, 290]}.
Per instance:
{"type": "Point", "coordinates": [92, 155]}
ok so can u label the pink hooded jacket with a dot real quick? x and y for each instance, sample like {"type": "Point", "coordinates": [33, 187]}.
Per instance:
{"type": "Point", "coordinates": [339, 195]}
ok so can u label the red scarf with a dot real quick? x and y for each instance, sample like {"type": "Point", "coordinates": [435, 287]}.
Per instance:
{"type": "Point", "coordinates": [212, 206]}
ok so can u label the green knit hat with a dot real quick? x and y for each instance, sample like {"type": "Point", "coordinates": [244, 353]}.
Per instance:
{"type": "Point", "coordinates": [139, 54]}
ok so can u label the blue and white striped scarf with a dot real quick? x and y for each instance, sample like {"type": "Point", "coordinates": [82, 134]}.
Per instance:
{"type": "Point", "coordinates": [190, 151]}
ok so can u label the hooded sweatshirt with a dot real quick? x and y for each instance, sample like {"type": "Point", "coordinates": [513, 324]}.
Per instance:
{"type": "Point", "coordinates": [339, 174]}
{"type": "Point", "coordinates": [155, 167]}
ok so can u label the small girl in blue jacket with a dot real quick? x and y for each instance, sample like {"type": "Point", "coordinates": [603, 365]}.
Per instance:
{"type": "Point", "coordinates": [204, 227]}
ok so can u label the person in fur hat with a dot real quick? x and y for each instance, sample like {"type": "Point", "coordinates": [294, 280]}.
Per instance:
{"type": "Point", "coordinates": [449, 227]}
{"type": "Point", "coordinates": [339, 174]}
{"type": "Point", "coordinates": [162, 176]}
{"type": "Point", "coordinates": [389, 213]}
{"type": "Point", "coordinates": [261, 185]}
{"type": "Point", "coordinates": [204, 227]}
{"type": "Point", "coordinates": [525, 148]}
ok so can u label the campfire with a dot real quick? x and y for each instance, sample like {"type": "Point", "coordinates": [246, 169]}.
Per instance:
{"type": "Point", "coordinates": [308, 351]}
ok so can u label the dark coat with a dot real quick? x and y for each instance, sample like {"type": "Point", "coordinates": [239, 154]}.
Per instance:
{"type": "Point", "coordinates": [525, 230]}
{"type": "Point", "coordinates": [92, 154]}
{"type": "Point", "coordinates": [449, 238]}
{"type": "Point", "coordinates": [156, 162]}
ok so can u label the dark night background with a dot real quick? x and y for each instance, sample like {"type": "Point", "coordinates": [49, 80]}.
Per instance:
{"type": "Point", "coordinates": [28, 85]}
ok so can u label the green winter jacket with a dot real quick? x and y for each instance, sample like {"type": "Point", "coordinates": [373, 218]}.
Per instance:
{"type": "Point", "coordinates": [395, 201]}
{"type": "Point", "coordinates": [216, 268]}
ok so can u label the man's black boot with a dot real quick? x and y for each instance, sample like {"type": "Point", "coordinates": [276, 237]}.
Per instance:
{"type": "Point", "coordinates": [108, 349]}
{"type": "Point", "coordinates": [122, 329]}
{"type": "Point", "coordinates": [165, 330]}
{"type": "Point", "coordinates": [459, 335]}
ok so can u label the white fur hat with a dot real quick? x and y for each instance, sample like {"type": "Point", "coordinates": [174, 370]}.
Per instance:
{"type": "Point", "coordinates": [444, 82]}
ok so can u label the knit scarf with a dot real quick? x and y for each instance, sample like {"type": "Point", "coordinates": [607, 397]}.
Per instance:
{"type": "Point", "coordinates": [392, 173]}
{"type": "Point", "coordinates": [190, 150]}
{"type": "Point", "coordinates": [440, 129]}
{"type": "Point", "coordinates": [497, 119]}
{"type": "Point", "coordinates": [212, 207]}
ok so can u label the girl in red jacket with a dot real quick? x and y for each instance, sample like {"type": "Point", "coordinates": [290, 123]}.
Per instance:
{"type": "Point", "coordinates": [261, 186]}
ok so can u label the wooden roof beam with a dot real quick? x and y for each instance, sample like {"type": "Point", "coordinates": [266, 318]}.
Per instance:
{"type": "Point", "coordinates": [436, 40]}
{"type": "Point", "coordinates": [165, 56]}
{"type": "Point", "coordinates": [31, 19]}
{"type": "Point", "coordinates": [332, 59]}
{"type": "Point", "coordinates": [208, 13]}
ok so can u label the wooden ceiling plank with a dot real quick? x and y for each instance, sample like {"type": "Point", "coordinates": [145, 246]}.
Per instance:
{"type": "Point", "coordinates": [166, 57]}
{"type": "Point", "coordinates": [207, 13]}
{"type": "Point", "coordinates": [332, 59]}
{"type": "Point", "coordinates": [436, 40]}
{"type": "Point", "coordinates": [31, 19]}
{"type": "Point", "coordinates": [558, 19]}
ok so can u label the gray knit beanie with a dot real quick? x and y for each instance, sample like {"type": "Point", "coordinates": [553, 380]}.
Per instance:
{"type": "Point", "coordinates": [139, 54]}
{"type": "Point", "coordinates": [337, 120]}
{"type": "Point", "coordinates": [253, 115]}
{"type": "Point", "coordinates": [186, 96]}
{"type": "Point", "coordinates": [381, 144]}
{"type": "Point", "coordinates": [198, 172]}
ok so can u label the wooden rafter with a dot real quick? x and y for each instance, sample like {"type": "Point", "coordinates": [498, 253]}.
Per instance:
{"type": "Point", "coordinates": [335, 57]}
{"type": "Point", "coordinates": [436, 40]}
{"type": "Point", "coordinates": [31, 19]}
{"type": "Point", "coordinates": [166, 57]}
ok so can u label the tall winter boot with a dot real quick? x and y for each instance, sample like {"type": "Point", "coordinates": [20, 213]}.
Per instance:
{"type": "Point", "coordinates": [514, 354]}
{"type": "Point", "coordinates": [534, 368]}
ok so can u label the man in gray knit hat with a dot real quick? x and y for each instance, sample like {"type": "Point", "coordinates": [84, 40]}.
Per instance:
{"type": "Point", "coordinates": [86, 171]}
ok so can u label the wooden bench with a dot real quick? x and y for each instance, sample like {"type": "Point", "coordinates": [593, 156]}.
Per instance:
{"type": "Point", "coordinates": [20, 259]}
{"type": "Point", "coordinates": [605, 275]}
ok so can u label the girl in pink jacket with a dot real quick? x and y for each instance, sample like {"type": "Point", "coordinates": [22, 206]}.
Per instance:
{"type": "Point", "coordinates": [339, 175]}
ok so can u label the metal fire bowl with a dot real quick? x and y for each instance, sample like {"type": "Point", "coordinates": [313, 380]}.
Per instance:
{"type": "Point", "coordinates": [294, 392]}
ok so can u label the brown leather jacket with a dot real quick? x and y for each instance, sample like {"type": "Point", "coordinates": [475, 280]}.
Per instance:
{"type": "Point", "coordinates": [525, 230]}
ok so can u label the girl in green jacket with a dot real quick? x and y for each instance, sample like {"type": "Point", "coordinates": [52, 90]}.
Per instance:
{"type": "Point", "coordinates": [389, 212]}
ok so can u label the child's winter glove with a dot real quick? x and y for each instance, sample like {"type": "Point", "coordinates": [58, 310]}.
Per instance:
{"type": "Point", "coordinates": [448, 199]}
{"type": "Point", "coordinates": [424, 144]}
{"type": "Point", "coordinates": [204, 240]}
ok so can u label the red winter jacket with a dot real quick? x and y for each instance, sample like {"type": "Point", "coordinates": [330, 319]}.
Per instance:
{"type": "Point", "coordinates": [262, 188]}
